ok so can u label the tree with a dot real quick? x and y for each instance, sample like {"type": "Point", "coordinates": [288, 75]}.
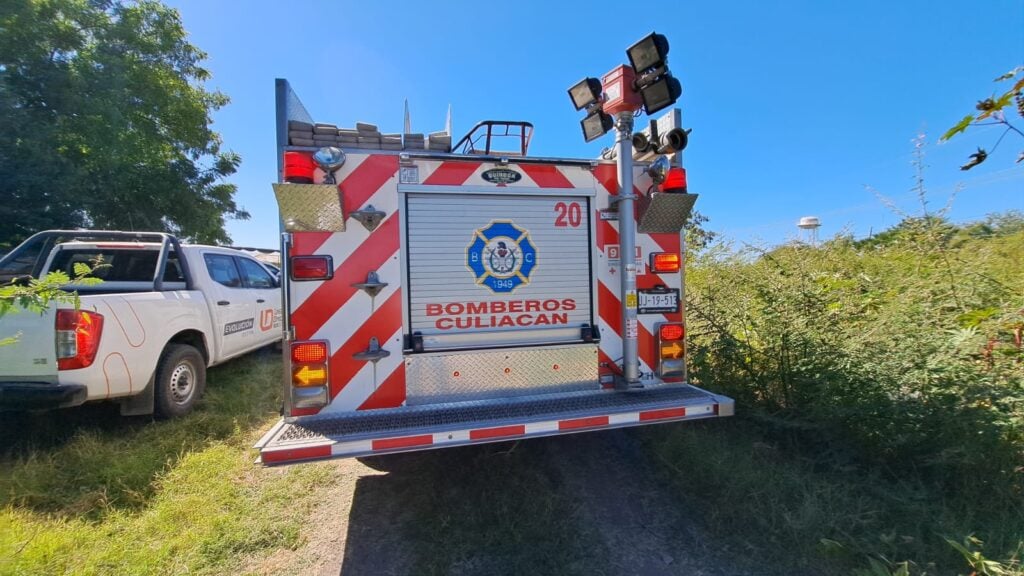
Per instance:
{"type": "Point", "coordinates": [106, 122]}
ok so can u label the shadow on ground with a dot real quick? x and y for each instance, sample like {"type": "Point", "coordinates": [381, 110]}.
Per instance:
{"type": "Point", "coordinates": [581, 504]}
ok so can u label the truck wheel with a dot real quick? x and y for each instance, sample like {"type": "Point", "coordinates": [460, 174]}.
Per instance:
{"type": "Point", "coordinates": [180, 380]}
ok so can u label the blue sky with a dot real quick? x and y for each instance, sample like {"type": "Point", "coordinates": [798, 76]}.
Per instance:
{"type": "Point", "coordinates": [796, 107]}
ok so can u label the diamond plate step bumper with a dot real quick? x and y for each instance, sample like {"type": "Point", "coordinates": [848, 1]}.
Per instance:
{"type": "Point", "coordinates": [441, 425]}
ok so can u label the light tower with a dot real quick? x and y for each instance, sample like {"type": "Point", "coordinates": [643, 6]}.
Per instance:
{"type": "Point", "coordinates": [811, 224]}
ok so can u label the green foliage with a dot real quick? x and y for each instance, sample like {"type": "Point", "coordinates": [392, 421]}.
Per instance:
{"type": "Point", "coordinates": [970, 549]}
{"type": "Point", "coordinates": [106, 122]}
{"type": "Point", "coordinates": [900, 356]}
{"type": "Point", "coordinates": [37, 294]}
{"type": "Point", "coordinates": [992, 111]}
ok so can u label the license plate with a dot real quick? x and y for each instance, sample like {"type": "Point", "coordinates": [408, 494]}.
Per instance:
{"type": "Point", "coordinates": [658, 301]}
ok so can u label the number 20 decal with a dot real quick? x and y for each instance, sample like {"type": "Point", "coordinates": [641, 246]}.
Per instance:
{"type": "Point", "coordinates": [568, 215]}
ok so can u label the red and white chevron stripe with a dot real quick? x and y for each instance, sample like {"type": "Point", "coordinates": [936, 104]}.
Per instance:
{"type": "Point", "coordinates": [608, 302]}
{"type": "Point", "coordinates": [347, 317]}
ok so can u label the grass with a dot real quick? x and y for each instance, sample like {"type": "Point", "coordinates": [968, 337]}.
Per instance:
{"type": "Point", "coordinates": [764, 498]}
{"type": "Point", "coordinates": [87, 492]}
{"type": "Point", "coordinates": [880, 387]}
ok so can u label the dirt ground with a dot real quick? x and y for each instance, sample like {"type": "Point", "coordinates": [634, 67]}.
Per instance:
{"type": "Point", "coordinates": [379, 518]}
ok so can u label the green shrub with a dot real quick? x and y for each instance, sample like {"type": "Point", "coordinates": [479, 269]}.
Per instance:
{"type": "Point", "coordinates": [901, 354]}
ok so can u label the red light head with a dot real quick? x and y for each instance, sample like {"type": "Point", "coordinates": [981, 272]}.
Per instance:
{"type": "Point", "coordinates": [298, 167]}
{"type": "Point", "coordinates": [675, 181]}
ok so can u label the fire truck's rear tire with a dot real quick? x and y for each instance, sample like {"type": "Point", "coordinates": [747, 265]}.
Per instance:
{"type": "Point", "coordinates": [180, 381]}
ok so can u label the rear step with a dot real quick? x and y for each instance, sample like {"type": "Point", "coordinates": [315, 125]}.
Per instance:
{"type": "Point", "coordinates": [434, 426]}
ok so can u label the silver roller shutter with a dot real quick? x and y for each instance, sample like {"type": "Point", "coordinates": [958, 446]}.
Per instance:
{"type": "Point", "coordinates": [498, 270]}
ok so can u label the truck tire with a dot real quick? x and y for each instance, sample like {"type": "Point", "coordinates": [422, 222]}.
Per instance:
{"type": "Point", "coordinates": [180, 381]}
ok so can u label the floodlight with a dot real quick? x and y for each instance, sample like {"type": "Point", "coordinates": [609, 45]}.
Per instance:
{"type": "Point", "coordinates": [596, 125]}
{"type": "Point", "coordinates": [660, 94]}
{"type": "Point", "coordinates": [329, 159]}
{"type": "Point", "coordinates": [658, 170]}
{"type": "Point", "coordinates": [585, 93]}
{"type": "Point", "coordinates": [650, 52]}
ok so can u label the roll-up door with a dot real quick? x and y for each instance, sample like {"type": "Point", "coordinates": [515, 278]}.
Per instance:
{"type": "Point", "coordinates": [498, 270]}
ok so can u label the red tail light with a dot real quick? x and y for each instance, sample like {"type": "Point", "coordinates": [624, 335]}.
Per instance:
{"type": "Point", "coordinates": [671, 351]}
{"type": "Point", "coordinates": [78, 338]}
{"type": "Point", "coordinates": [309, 373]}
{"type": "Point", "coordinates": [312, 268]}
{"type": "Point", "coordinates": [313, 352]}
{"type": "Point", "coordinates": [671, 332]}
{"type": "Point", "coordinates": [665, 262]}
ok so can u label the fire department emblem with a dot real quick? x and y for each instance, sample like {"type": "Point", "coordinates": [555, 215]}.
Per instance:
{"type": "Point", "coordinates": [502, 256]}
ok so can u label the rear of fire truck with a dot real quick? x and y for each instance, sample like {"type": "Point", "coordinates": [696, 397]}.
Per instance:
{"type": "Point", "coordinates": [440, 295]}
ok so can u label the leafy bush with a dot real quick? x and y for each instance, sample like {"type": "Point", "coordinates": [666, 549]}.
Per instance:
{"type": "Point", "coordinates": [901, 353]}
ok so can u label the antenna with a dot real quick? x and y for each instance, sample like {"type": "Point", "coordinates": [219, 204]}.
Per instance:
{"type": "Point", "coordinates": [811, 224]}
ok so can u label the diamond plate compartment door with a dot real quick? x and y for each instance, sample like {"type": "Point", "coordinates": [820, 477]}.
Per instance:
{"type": "Point", "coordinates": [664, 212]}
{"type": "Point", "coordinates": [310, 207]}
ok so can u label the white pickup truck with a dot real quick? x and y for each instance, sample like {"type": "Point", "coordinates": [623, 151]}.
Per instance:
{"type": "Point", "coordinates": [145, 335]}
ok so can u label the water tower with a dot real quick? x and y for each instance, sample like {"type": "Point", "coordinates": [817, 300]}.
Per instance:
{"type": "Point", "coordinates": [811, 224]}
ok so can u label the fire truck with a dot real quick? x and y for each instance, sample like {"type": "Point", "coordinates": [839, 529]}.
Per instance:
{"type": "Point", "coordinates": [439, 295]}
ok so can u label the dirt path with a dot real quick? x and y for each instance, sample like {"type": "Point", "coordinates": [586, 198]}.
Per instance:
{"type": "Point", "coordinates": [495, 509]}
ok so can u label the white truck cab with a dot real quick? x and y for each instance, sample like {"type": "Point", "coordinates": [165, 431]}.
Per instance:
{"type": "Point", "coordinates": [144, 336]}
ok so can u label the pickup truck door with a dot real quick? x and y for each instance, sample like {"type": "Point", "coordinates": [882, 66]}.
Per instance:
{"type": "Point", "coordinates": [233, 309]}
{"type": "Point", "coordinates": [267, 299]}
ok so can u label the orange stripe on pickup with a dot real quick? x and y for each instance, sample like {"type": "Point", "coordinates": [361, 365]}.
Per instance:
{"type": "Point", "coordinates": [498, 432]}
{"type": "Point", "coordinates": [663, 414]}
{"type": "Point", "coordinates": [405, 442]}
{"type": "Point", "coordinates": [578, 423]}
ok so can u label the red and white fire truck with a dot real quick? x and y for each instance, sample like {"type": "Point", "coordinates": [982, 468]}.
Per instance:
{"type": "Point", "coordinates": [439, 295]}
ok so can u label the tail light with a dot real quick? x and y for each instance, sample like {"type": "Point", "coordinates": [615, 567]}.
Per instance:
{"type": "Point", "coordinates": [78, 338]}
{"type": "Point", "coordinates": [312, 268]}
{"type": "Point", "coordinates": [671, 345]}
{"type": "Point", "coordinates": [663, 262]}
{"type": "Point", "coordinates": [312, 352]}
{"type": "Point", "coordinates": [309, 373]}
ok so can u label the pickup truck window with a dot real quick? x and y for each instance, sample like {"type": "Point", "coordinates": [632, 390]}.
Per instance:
{"type": "Point", "coordinates": [255, 275]}
{"type": "Point", "coordinates": [25, 260]}
{"type": "Point", "coordinates": [116, 265]}
{"type": "Point", "coordinates": [223, 270]}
